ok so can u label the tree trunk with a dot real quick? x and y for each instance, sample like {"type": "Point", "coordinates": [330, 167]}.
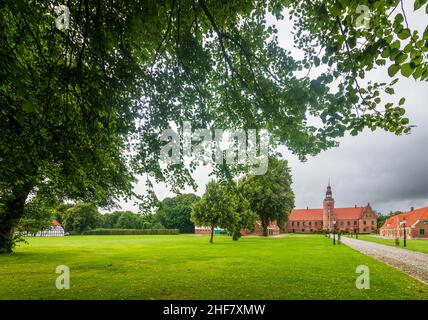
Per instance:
{"type": "Point", "coordinates": [212, 234]}
{"type": "Point", "coordinates": [236, 234]}
{"type": "Point", "coordinates": [14, 210]}
{"type": "Point", "coordinates": [265, 224]}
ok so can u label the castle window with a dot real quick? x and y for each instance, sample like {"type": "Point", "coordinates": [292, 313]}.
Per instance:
{"type": "Point", "coordinates": [421, 232]}
{"type": "Point", "coordinates": [348, 223]}
{"type": "Point", "coordinates": [364, 222]}
{"type": "Point", "coordinates": [292, 223]}
{"type": "Point", "coordinates": [355, 223]}
{"type": "Point", "coordinates": [298, 223]}
{"type": "Point", "coordinates": [309, 223]}
{"type": "Point", "coordinates": [372, 221]}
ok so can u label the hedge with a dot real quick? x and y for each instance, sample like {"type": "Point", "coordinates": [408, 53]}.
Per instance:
{"type": "Point", "coordinates": [130, 231]}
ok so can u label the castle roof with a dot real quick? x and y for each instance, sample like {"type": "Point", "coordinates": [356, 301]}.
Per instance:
{"type": "Point", "coordinates": [317, 214]}
{"type": "Point", "coordinates": [411, 217]}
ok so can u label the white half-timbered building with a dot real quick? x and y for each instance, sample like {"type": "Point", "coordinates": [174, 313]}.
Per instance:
{"type": "Point", "coordinates": [55, 230]}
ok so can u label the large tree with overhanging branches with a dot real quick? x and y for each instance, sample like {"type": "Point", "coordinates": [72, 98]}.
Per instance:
{"type": "Point", "coordinates": [81, 109]}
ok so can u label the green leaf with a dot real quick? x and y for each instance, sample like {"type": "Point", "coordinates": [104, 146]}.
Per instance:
{"type": "Point", "coordinates": [418, 4]}
{"type": "Point", "coordinates": [408, 48]}
{"type": "Point", "coordinates": [28, 107]}
{"type": "Point", "coordinates": [400, 58]}
{"type": "Point", "coordinates": [402, 101]}
{"type": "Point", "coordinates": [352, 42]}
{"type": "Point", "coordinates": [399, 18]}
{"type": "Point", "coordinates": [404, 121]}
{"type": "Point", "coordinates": [396, 44]}
{"type": "Point", "coordinates": [404, 34]}
{"type": "Point", "coordinates": [406, 70]}
{"type": "Point", "coordinates": [389, 90]}
{"type": "Point", "coordinates": [393, 69]}
{"type": "Point", "coordinates": [385, 53]}
{"type": "Point", "coordinates": [316, 61]}
{"type": "Point", "coordinates": [417, 73]}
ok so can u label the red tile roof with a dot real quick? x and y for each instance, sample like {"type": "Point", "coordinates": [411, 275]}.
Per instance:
{"type": "Point", "coordinates": [411, 217]}
{"type": "Point", "coordinates": [55, 223]}
{"type": "Point", "coordinates": [305, 214]}
{"type": "Point", "coordinates": [349, 213]}
{"type": "Point", "coordinates": [317, 214]}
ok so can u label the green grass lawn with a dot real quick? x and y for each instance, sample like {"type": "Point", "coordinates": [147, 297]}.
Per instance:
{"type": "Point", "coordinates": [188, 267]}
{"type": "Point", "coordinates": [420, 245]}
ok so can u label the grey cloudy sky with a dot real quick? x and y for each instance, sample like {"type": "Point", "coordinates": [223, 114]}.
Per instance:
{"type": "Point", "coordinates": [378, 167]}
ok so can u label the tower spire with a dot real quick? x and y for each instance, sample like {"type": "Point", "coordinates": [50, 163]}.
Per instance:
{"type": "Point", "coordinates": [328, 194]}
{"type": "Point", "coordinates": [328, 208]}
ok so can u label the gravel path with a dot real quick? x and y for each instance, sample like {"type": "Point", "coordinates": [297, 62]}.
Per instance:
{"type": "Point", "coordinates": [415, 264]}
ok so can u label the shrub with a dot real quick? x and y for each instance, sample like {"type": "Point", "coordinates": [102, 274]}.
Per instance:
{"type": "Point", "coordinates": [130, 231]}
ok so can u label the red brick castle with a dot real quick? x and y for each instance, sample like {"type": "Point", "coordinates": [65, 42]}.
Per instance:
{"type": "Point", "coordinates": [356, 219]}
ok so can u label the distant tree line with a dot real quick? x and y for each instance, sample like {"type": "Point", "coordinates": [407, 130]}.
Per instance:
{"type": "Point", "coordinates": [173, 213]}
{"type": "Point", "coordinates": [232, 206]}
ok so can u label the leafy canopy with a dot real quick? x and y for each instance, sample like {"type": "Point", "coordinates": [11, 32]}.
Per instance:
{"type": "Point", "coordinates": [81, 109]}
{"type": "Point", "coordinates": [71, 99]}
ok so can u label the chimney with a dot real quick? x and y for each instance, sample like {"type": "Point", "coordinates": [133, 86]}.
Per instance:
{"type": "Point", "coordinates": [412, 208]}
{"type": "Point", "coordinates": [355, 206]}
{"type": "Point", "coordinates": [307, 208]}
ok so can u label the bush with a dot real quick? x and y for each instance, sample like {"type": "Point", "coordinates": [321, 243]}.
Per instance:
{"type": "Point", "coordinates": [130, 231]}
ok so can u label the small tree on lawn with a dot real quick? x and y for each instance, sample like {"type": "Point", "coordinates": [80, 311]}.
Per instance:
{"type": "Point", "coordinates": [270, 195]}
{"type": "Point", "coordinates": [243, 217]}
{"type": "Point", "coordinates": [214, 209]}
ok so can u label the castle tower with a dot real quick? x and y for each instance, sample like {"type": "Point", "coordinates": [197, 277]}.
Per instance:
{"type": "Point", "coordinates": [328, 209]}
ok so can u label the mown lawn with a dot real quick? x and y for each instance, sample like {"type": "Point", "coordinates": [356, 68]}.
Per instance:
{"type": "Point", "coordinates": [420, 245]}
{"type": "Point", "coordinates": [188, 267]}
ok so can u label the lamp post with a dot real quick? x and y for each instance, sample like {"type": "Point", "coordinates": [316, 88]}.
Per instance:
{"type": "Point", "coordinates": [334, 232]}
{"type": "Point", "coordinates": [358, 229]}
{"type": "Point", "coordinates": [404, 232]}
